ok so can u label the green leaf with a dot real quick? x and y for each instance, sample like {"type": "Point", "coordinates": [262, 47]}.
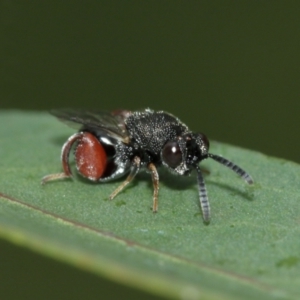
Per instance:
{"type": "Point", "coordinates": [250, 250]}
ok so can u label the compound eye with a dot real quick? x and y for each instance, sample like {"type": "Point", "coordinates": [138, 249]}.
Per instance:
{"type": "Point", "coordinates": [172, 155]}
{"type": "Point", "coordinates": [204, 139]}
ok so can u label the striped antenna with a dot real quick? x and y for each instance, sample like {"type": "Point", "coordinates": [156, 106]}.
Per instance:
{"type": "Point", "coordinates": [203, 197]}
{"type": "Point", "coordinates": [232, 166]}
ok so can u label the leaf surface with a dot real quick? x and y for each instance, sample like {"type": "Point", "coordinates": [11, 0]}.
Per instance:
{"type": "Point", "coordinates": [250, 250]}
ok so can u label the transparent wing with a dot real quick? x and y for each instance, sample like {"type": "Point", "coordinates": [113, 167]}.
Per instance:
{"type": "Point", "coordinates": [103, 121]}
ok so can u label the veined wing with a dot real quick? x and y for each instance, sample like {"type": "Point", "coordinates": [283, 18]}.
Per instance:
{"type": "Point", "coordinates": [101, 121]}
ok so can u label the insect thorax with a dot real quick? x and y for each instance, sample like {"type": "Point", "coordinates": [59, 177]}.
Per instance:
{"type": "Point", "coordinates": [151, 130]}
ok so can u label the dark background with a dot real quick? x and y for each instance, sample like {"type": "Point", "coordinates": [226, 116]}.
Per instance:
{"type": "Point", "coordinates": [227, 68]}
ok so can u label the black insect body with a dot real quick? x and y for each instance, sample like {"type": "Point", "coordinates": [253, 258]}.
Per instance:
{"type": "Point", "coordinates": [110, 145]}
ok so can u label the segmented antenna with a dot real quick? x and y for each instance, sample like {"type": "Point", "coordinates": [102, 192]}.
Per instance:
{"type": "Point", "coordinates": [203, 197]}
{"type": "Point", "coordinates": [232, 166]}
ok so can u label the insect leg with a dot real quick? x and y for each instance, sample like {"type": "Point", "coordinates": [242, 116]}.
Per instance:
{"type": "Point", "coordinates": [232, 166]}
{"type": "Point", "coordinates": [155, 180]}
{"type": "Point", "coordinates": [203, 197]}
{"type": "Point", "coordinates": [134, 170]}
{"type": "Point", "coordinates": [65, 152]}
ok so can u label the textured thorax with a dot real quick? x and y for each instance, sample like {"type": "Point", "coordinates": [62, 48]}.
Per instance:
{"type": "Point", "coordinates": [152, 129]}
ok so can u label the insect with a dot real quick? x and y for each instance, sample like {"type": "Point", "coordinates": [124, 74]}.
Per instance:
{"type": "Point", "coordinates": [111, 145]}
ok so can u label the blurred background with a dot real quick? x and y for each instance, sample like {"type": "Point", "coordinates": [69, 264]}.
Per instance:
{"type": "Point", "coordinates": [227, 68]}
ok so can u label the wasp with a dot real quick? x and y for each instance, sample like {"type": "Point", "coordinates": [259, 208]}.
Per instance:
{"type": "Point", "coordinates": [109, 145]}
